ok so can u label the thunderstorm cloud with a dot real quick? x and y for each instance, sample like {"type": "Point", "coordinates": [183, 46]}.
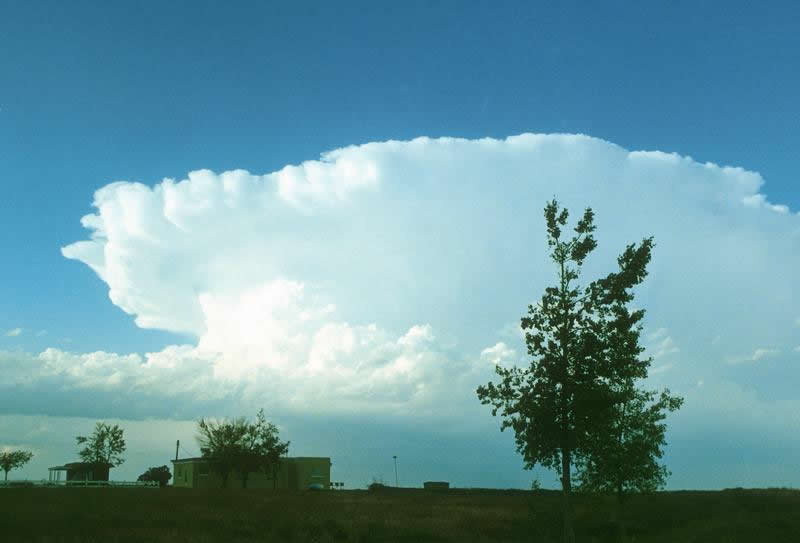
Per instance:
{"type": "Point", "coordinates": [385, 277]}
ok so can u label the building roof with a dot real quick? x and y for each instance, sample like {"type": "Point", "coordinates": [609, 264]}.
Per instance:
{"type": "Point", "coordinates": [193, 459]}
{"type": "Point", "coordinates": [78, 465]}
{"type": "Point", "coordinates": [204, 459]}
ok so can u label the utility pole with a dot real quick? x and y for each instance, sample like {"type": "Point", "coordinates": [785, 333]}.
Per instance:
{"type": "Point", "coordinates": [177, 444]}
{"type": "Point", "coordinates": [396, 484]}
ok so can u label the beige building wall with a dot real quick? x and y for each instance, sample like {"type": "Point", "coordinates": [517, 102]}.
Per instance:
{"type": "Point", "coordinates": [297, 473]}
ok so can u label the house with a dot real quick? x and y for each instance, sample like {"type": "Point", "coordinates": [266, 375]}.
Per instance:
{"type": "Point", "coordinates": [298, 473]}
{"type": "Point", "coordinates": [80, 471]}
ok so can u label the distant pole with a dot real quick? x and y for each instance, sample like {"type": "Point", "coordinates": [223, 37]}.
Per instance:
{"type": "Point", "coordinates": [395, 471]}
{"type": "Point", "coordinates": [177, 444]}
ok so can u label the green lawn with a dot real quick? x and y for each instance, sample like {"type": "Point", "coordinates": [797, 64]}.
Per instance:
{"type": "Point", "coordinates": [174, 514]}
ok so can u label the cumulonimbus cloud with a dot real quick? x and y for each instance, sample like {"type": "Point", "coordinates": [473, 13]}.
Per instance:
{"type": "Point", "coordinates": [382, 274]}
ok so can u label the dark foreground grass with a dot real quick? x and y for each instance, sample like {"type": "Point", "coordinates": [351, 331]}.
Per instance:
{"type": "Point", "coordinates": [174, 514]}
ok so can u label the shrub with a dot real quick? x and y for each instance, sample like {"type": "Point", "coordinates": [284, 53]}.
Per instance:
{"type": "Point", "coordinates": [160, 474]}
{"type": "Point", "coordinates": [377, 484]}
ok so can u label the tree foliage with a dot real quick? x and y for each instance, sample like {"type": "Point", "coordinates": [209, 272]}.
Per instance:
{"type": "Point", "coordinates": [104, 446]}
{"type": "Point", "coordinates": [584, 350]}
{"type": "Point", "coordinates": [221, 444]}
{"type": "Point", "coordinates": [263, 449]}
{"type": "Point", "coordinates": [241, 445]}
{"type": "Point", "coordinates": [14, 459]}
{"type": "Point", "coordinates": [160, 474]}
{"type": "Point", "coordinates": [627, 459]}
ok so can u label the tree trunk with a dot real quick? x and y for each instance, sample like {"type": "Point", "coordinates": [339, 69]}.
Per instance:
{"type": "Point", "coordinates": [621, 535]}
{"type": "Point", "coordinates": [568, 534]}
{"type": "Point", "coordinates": [6, 476]}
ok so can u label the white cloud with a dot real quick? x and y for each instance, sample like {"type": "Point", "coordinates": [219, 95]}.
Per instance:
{"type": "Point", "coordinates": [667, 346]}
{"type": "Point", "coordinates": [797, 349]}
{"type": "Point", "coordinates": [332, 178]}
{"type": "Point", "coordinates": [759, 200]}
{"type": "Point", "coordinates": [169, 372]}
{"type": "Point", "coordinates": [337, 368]}
{"type": "Point", "coordinates": [660, 344]}
{"type": "Point", "coordinates": [757, 355]}
{"type": "Point", "coordinates": [660, 369]}
{"type": "Point", "coordinates": [14, 332]}
{"type": "Point", "coordinates": [498, 354]}
{"type": "Point", "coordinates": [344, 283]}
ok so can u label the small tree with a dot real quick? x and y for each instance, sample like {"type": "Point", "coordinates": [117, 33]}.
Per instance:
{"type": "Point", "coordinates": [626, 459]}
{"type": "Point", "coordinates": [560, 404]}
{"type": "Point", "coordinates": [238, 444]}
{"type": "Point", "coordinates": [104, 446]}
{"type": "Point", "coordinates": [623, 452]}
{"type": "Point", "coordinates": [377, 484]}
{"type": "Point", "coordinates": [262, 449]}
{"type": "Point", "coordinates": [14, 459]}
{"type": "Point", "coordinates": [221, 444]}
{"type": "Point", "coordinates": [160, 474]}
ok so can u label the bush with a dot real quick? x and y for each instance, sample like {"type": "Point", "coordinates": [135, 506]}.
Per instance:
{"type": "Point", "coordinates": [160, 474]}
{"type": "Point", "coordinates": [377, 484]}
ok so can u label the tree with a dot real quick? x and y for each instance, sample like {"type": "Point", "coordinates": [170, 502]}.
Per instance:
{"type": "Point", "coordinates": [559, 405]}
{"type": "Point", "coordinates": [238, 444]}
{"type": "Point", "coordinates": [624, 453]}
{"type": "Point", "coordinates": [626, 460]}
{"type": "Point", "coordinates": [221, 444]}
{"type": "Point", "coordinates": [14, 459]}
{"type": "Point", "coordinates": [160, 474]}
{"type": "Point", "coordinates": [263, 449]}
{"type": "Point", "coordinates": [104, 446]}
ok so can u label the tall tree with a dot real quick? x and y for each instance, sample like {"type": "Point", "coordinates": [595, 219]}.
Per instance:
{"type": "Point", "coordinates": [104, 446]}
{"type": "Point", "coordinates": [557, 404]}
{"type": "Point", "coordinates": [241, 445]}
{"type": "Point", "coordinates": [13, 459]}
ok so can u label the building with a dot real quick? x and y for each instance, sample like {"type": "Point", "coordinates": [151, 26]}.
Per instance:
{"type": "Point", "coordinates": [80, 471]}
{"type": "Point", "coordinates": [299, 473]}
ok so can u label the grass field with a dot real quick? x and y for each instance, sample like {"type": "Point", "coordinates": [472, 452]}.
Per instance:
{"type": "Point", "coordinates": [407, 515]}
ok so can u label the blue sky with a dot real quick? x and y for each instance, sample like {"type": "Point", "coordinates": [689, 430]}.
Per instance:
{"type": "Point", "coordinates": [141, 92]}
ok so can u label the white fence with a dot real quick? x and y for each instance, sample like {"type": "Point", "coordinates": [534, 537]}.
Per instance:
{"type": "Point", "coordinates": [94, 484]}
